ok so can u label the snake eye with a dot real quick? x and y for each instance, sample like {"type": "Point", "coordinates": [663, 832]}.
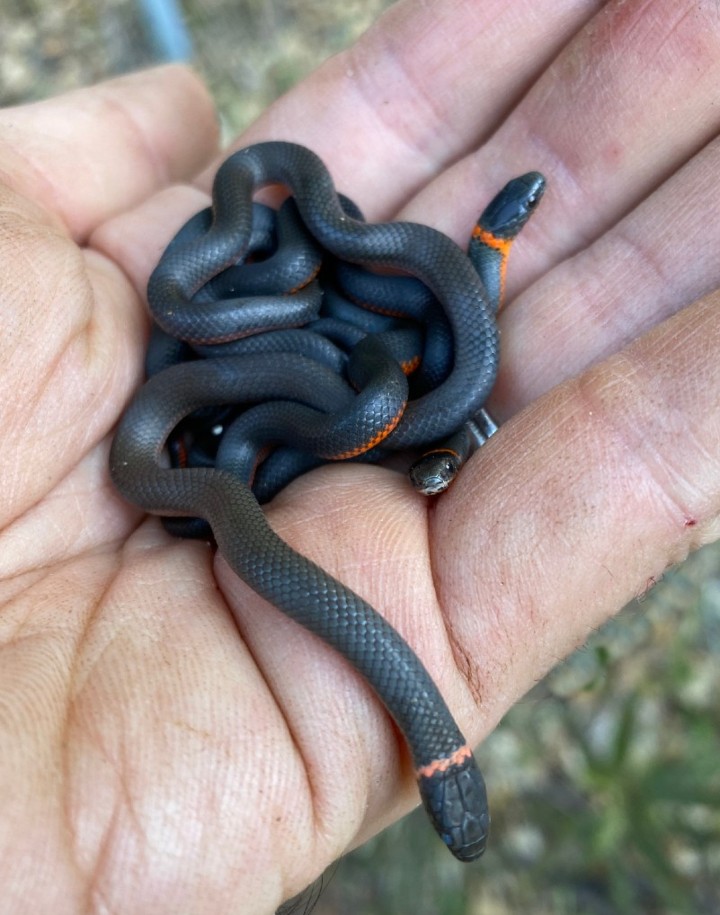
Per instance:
{"type": "Point", "coordinates": [536, 189]}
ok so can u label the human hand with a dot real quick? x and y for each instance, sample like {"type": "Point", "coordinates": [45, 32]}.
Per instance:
{"type": "Point", "coordinates": [169, 740]}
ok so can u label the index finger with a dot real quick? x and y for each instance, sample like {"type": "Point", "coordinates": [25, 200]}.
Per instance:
{"type": "Point", "coordinates": [89, 154]}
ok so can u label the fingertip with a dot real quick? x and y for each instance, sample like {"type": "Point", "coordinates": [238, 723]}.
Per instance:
{"type": "Point", "coordinates": [92, 153]}
{"type": "Point", "coordinates": [174, 108]}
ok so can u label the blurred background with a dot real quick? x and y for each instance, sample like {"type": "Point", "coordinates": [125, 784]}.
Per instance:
{"type": "Point", "coordinates": [605, 780]}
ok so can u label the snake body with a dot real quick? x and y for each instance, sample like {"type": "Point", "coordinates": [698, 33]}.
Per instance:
{"type": "Point", "coordinates": [334, 387]}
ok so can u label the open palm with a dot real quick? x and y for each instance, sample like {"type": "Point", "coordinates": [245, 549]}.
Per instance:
{"type": "Point", "coordinates": [168, 741]}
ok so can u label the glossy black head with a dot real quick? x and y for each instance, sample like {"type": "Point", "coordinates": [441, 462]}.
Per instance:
{"type": "Point", "coordinates": [509, 210]}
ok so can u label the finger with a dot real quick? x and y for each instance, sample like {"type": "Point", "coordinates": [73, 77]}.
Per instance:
{"type": "Point", "coordinates": [92, 153]}
{"type": "Point", "coordinates": [660, 258]}
{"type": "Point", "coordinates": [382, 118]}
{"type": "Point", "coordinates": [137, 238]}
{"type": "Point", "coordinates": [419, 89]}
{"type": "Point", "coordinates": [604, 123]}
{"type": "Point", "coordinates": [579, 503]}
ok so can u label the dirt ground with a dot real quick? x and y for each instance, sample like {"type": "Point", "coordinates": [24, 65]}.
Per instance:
{"type": "Point", "coordinates": [248, 51]}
